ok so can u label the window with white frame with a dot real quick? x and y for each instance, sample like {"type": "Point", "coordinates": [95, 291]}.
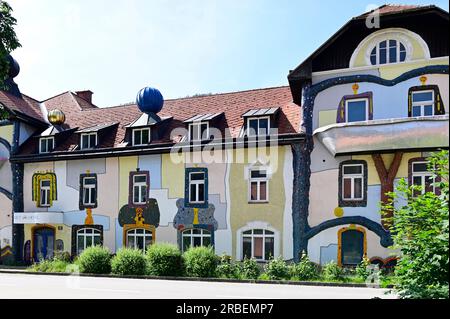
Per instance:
{"type": "Point", "coordinates": [89, 190]}
{"type": "Point", "coordinates": [87, 237]}
{"type": "Point", "coordinates": [258, 244]}
{"type": "Point", "coordinates": [139, 238]}
{"type": "Point", "coordinates": [258, 185]}
{"type": "Point", "coordinates": [141, 136]}
{"type": "Point", "coordinates": [422, 177]}
{"type": "Point", "coordinates": [198, 131]}
{"type": "Point", "coordinates": [356, 110]}
{"type": "Point", "coordinates": [388, 51]}
{"type": "Point", "coordinates": [46, 144]}
{"type": "Point", "coordinates": [195, 237]}
{"type": "Point", "coordinates": [258, 126]}
{"type": "Point", "coordinates": [88, 141]}
{"type": "Point", "coordinates": [422, 103]}
{"type": "Point", "coordinates": [196, 187]}
{"type": "Point", "coordinates": [352, 182]}
{"type": "Point", "coordinates": [45, 193]}
{"type": "Point", "coordinates": [140, 188]}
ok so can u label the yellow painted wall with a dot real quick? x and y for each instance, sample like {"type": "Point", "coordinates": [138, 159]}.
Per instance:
{"type": "Point", "coordinates": [391, 71]}
{"type": "Point", "coordinates": [327, 117]}
{"type": "Point", "coordinates": [242, 212]}
{"type": "Point", "coordinates": [373, 178]}
{"type": "Point", "coordinates": [6, 132]}
{"type": "Point", "coordinates": [172, 175]}
{"type": "Point", "coordinates": [126, 165]}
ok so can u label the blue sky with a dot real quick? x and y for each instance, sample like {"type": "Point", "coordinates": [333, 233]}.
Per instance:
{"type": "Point", "coordinates": [181, 47]}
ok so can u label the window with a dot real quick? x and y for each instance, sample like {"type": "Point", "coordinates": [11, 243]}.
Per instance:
{"type": "Point", "coordinates": [46, 144]}
{"type": "Point", "coordinates": [422, 103]}
{"type": "Point", "coordinates": [198, 131]}
{"type": "Point", "coordinates": [197, 187]}
{"type": "Point", "coordinates": [195, 237]}
{"type": "Point", "coordinates": [422, 177]}
{"type": "Point", "coordinates": [356, 110]}
{"type": "Point", "coordinates": [258, 244]}
{"type": "Point", "coordinates": [139, 238]}
{"type": "Point", "coordinates": [352, 182]}
{"type": "Point", "coordinates": [45, 193]}
{"type": "Point", "coordinates": [87, 237]}
{"type": "Point", "coordinates": [140, 189]}
{"type": "Point", "coordinates": [88, 141]}
{"type": "Point", "coordinates": [258, 126]}
{"type": "Point", "coordinates": [258, 185]}
{"type": "Point", "coordinates": [388, 51]}
{"type": "Point", "coordinates": [89, 191]}
{"type": "Point", "coordinates": [141, 136]}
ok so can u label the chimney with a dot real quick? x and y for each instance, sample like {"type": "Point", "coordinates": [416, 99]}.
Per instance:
{"type": "Point", "coordinates": [85, 95]}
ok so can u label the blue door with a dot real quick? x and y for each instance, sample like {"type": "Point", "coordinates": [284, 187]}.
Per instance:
{"type": "Point", "coordinates": [43, 244]}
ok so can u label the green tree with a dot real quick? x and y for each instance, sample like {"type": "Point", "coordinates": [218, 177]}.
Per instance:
{"type": "Point", "coordinates": [8, 39]}
{"type": "Point", "coordinates": [421, 233]}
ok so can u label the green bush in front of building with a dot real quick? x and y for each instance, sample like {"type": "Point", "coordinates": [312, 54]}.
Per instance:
{"type": "Point", "coordinates": [227, 268]}
{"type": "Point", "coordinates": [277, 269]}
{"type": "Point", "coordinates": [95, 260]}
{"type": "Point", "coordinates": [333, 272]}
{"type": "Point", "coordinates": [250, 269]}
{"type": "Point", "coordinates": [129, 262]}
{"type": "Point", "coordinates": [200, 262]}
{"type": "Point", "coordinates": [305, 269]}
{"type": "Point", "coordinates": [164, 259]}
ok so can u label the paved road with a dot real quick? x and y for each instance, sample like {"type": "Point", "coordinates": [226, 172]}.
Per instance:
{"type": "Point", "coordinates": [62, 287]}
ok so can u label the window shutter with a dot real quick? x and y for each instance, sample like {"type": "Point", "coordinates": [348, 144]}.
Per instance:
{"type": "Point", "coordinates": [410, 92]}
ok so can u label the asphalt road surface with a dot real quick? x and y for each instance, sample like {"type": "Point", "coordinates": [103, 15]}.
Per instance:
{"type": "Point", "coordinates": [74, 287]}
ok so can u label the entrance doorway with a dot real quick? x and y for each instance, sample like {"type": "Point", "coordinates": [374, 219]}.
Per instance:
{"type": "Point", "coordinates": [43, 243]}
{"type": "Point", "coordinates": [352, 247]}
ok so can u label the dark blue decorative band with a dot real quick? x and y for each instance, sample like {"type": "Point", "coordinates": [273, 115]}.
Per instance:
{"type": "Point", "coordinates": [385, 236]}
{"type": "Point", "coordinates": [6, 193]}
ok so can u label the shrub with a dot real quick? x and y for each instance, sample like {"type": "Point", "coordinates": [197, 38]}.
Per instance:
{"type": "Point", "coordinates": [332, 271]}
{"type": "Point", "coordinates": [50, 265]}
{"type": "Point", "coordinates": [227, 268]}
{"type": "Point", "coordinates": [305, 269]}
{"type": "Point", "coordinates": [200, 262]}
{"type": "Point", "coordinates": [62, 256]}
{"type": "Point", "coordinates": [129, 262]}
{"type": "Point", "coordinates": [277, 269]}
{"type": "Point", "coordinates": [164, 259]}
{"type": "Point", "coordinates": [95, 260]}
{"type": "Point", "coordinates": [250, 269]}
{"type": "Point", "coordinates": [421, 232]}
{"type": "Point", "coordinates": [363, 270]}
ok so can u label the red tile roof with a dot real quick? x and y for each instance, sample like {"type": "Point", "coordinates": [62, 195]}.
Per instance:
{"type": "Point", "coordinates": [82, 114]}
{"type": "Point", "coordinates": [25, 105]}
{"type": "Point", "coordinates": [392, 8]}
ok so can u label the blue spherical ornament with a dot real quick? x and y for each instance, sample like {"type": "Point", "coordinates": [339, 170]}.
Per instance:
{"type": "Point", "coordinates": [149, 100]}
{"type": "Point", "coordinates": [14, 67]}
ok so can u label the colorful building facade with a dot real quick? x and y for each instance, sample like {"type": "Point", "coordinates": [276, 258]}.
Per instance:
{"type": "Point", "coordinates": [259, 173]}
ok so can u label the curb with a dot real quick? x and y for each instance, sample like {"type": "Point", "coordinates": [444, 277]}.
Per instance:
{"type": "Point", "coordinates": [243, 281]}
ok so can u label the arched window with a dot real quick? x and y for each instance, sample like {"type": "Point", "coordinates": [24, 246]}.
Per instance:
{"type": "Point", "coordinates": [87, 237]}
{"type": "Point", "coordinates": [258, 244]}
{"type": "Point", "coordinates": [352, 246]}
{"type": "Point", "coordinates": [139, 238]}
{"type": "Point", "coordinates": [195, 237]}
{"type": "Point", "coordinates": [388, 51]}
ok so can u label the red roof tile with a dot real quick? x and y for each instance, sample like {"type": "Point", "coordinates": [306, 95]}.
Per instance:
{"type": "Point", "coordinates": [81, 115]}
{"type": "Point", "coordinates": [25, 105]}
{"type": "Point", "coordinates": [392, 8]}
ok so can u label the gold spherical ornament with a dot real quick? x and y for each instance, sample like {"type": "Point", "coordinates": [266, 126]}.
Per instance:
{"type": "Point", "coordinates": [56, 117]}
{"type": "Point", "coordinates": [338, 212]}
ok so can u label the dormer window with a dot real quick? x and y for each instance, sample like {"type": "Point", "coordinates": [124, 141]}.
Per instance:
{"type": "Point", "coordinates": [260, 122]}
{"type": "Point", "coordinates": [141, 136]}
{"type": "Point", "coordinates": [388, 51]}
{"type": "Point", "coordinates": [88, 141]}
{"type": "Point", "coordinates": [46, 144]}
{"type": "Point", "coordinates": [198, 131]}
{"type": "Point", "coordinates": [258, 126]}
